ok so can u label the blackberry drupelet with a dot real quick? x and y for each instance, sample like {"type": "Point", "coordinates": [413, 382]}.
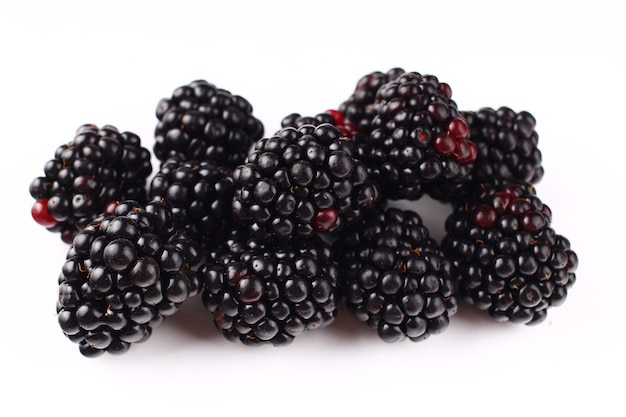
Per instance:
{"type": "Point", "coordinates": [506, 143]}
{"type": "Point", "coordinates": [123, 275]}
{"type": "Point", "coordinates": [395, 276]}
{"type": "Point", "coordinates": [98, 167]}
{"type": "Point", "coordinates": [507, 258]}
{"type": "Point", "coordinates": [262, 294]}
{"type": "Point", "coordinates": [300, 182]}
{"type": "Point", "coordinates": [202, 122]}
{"type": "Point", "coordinates": [416, 140]}
{"type": "Point", "coordinates": [200, 195]}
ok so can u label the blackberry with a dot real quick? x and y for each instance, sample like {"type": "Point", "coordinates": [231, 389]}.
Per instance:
{"type": "Point", "coordinates": [202, 122]}
{"type": "Point", "coordinates": [506, 143]}
{"type": "Point", "coordinates": [396, 278]}
{"type": "Point", "coordinates": [98, 167]}
{"type": "Point", "coordinates": [200, 195]}
{"type": "Point", "coordinates": [507, 258]}
{"type": "Point", "coordinates": [416, 140]}
{"type": "Point", "coordinates": [271, 293]}
{"type": "Point", "coordinates": [299, 182]}
{"type": "Point", "coordinates": [124, 273]}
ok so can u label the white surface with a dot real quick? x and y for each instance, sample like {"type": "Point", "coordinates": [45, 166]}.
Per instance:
{"type": "Point", "coordinates": [66, 63]}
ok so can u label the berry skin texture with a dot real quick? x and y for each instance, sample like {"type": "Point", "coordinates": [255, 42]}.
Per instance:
{"type": "Point", "coordinates": [269, 294]}
{"type": "Point", "coordinates": [415, 140]}
{"type": "Point", "coordinates": [396, 278]}
{"type": "Point", "coordinates": [202, 122]}
{"type": "Point", "coordinates": [507, 258]}
{"type": "Point", "coordinates": [124, 273]}
{"type": "Point", "coordinates": [299, 182]}
{"type": "Point", "coordinates": [99, 167]}
{"type": "Point", "coordinates": [506, 144]}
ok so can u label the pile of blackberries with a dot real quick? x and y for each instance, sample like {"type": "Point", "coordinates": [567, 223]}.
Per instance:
{"type": "Point", "coordinates": [274, 231]}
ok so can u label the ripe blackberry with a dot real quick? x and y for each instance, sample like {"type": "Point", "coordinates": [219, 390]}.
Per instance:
{"type": "Point", "coordinates": [123, 275]}
{"type": "Point", "coordinates": [416, 140]}
{"type": "Point", "coordinates": [98, 167]}
{"type": "Point", "coordinates": [506, 143]}
{"type": "Point", "coordinates": [202, 122]}
{"type": "Point", "coordinates": [271, 293]}
{"type": "Point", "coordinates": [396, 278]}
{"type": "Point", "coordinates": [507, 258]}
{"type": "Point", "coordinates": [200, 195]}
{"type": "Point", "coordinates": [299, 182]}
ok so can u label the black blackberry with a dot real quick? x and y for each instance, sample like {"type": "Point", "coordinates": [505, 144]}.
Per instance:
{"type": "Point", "coordinates": [123, 275]}
{"type": "Point", "coordinates": [271, 293]}
{"type": "Point", "coordinates": [98, 167]}
{"type": "Point", "coordinates": [200, 195]}
{"type": "Point", "coordinates": [395, 276]}
{"type": "Point", "coordinates": [202, 122]}
{"type": "Point", "coordinates": [416, 140]}
{"type": "Point", "coordinates": [507, 258]}
{"type": "Point", "coordinates": [506, 143]}
{"type": "Point", "coordinates": [299, 182]}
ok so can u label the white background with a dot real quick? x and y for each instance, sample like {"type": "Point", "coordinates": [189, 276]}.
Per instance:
{"type": "Point", "coordinates": [69, 63]}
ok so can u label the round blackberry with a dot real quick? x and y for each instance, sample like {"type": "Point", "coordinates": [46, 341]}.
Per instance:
{"type": "Point", "coordinates": [200, 195]}
{"type": "Point", "coordinates": [299, 182]}
{"type": "Point", "coordinates": [202, 122]}
{"type": "Point", "coordinates": [271, 293]}
{"type": "Point", "coordinates": [396, 278]}
{"type": "Point", "coordinates": [416, 140]}
{"type": "Point", "coordinates": [506, 143]}
{"type": "Point", "coordinates": [123, 275]}
{"type": "Point", "coordinates": [507, 258]}
{"type": "Point", "coordinates": [98, 167]}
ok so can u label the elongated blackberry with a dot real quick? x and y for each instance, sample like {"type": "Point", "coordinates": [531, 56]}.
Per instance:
{"type": "Point", "coordinates": [507, 258]}
{"type": "Point", "coordinates": [396, 278]}
{"type": "Point", "coordinates": [98, 167]}
{"type": "Point", "coordinates": [202, 122]}
{"type": "Point", "coordinates": [416, 140]}
{"type": "Point", "coordinates": [506, 143]}
{"type": "Point", "coordinates": [299, 182]}
{"type": "Point", "coordinates": [271, 293]}
{"type": "Point", "coordinates": [200, 195]}
{"type": "Point", "coordinates": [123, 275]}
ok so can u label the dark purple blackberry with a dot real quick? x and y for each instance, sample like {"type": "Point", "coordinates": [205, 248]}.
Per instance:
{"type": "Point", "coordinates": [98, 167]}
{"type": "Point", "coordinates": [415, 138]}
{"type": "Point", "coordinates": [506, 143]}
{"type": "Point", "coordinates": [200, 195]}
{"type": "Point", "coordinates": [123, 275]}
{"type": "Point", "coordinates": [507, 258]}
{"type": "Point", "coordinates": [271, 293]}
{"type": "Point", "coordinates": [299, 182]}
{"type": "Point", "coordinates": [395, 276]}
{"type": "Point", "coordinates": [202, 122]}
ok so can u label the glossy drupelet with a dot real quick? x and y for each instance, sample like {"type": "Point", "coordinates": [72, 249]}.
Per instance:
{"type": "Point", "coordinates": [395, 277]}
{"type": "Point", "coordinates": [200, 121]}
{"type": "Point", "coordinates": [269, 294]}
{"type": "Point", "coordinates": [100, 166]}
{"type": "Point", "coordinates": [299, 182]}
{"type": "Point", "coordinates": [200, 195]}
{"type": "Point", "coordinates": [123, 275]}
{"type": "Point", "coordinates": [507, 258]}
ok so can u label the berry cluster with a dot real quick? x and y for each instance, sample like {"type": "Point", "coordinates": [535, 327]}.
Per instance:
{"type": "Point", "coordinates": [275, 231]}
